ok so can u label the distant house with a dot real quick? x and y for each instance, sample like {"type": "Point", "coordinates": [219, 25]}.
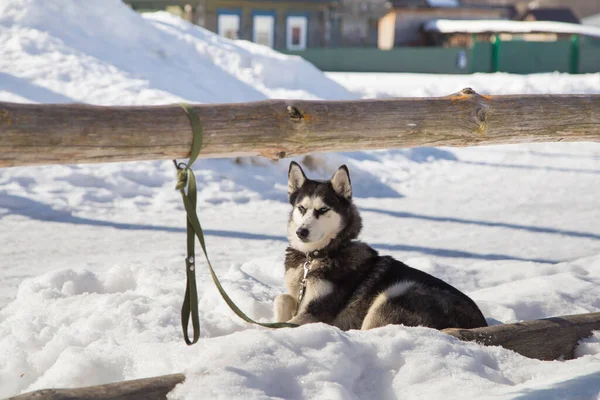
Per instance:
{"type": "Point", "coordinates": [359, 20]}
{"type": "Point", "coordinates": [402, 25]}
{"type": "Point", "coordinates": [562, 14]}
{"type": "Point", "coordinates": [581, 8]}
{"type": "Point", "coordinates": [505, 30]}
{"type": "Point", "coordinates": [284, 24]}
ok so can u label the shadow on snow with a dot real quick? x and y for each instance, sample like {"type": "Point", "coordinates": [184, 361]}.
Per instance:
{"type": "Point", "coordinates": [43, 212]}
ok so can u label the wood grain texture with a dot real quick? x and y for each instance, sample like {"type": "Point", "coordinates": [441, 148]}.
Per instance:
{"type": "Point", "coordinates": [545, 339]}
{"type": "Point", "coordinates": [155, 388]}
{"type": "Point", "coordinates": [33, 134]}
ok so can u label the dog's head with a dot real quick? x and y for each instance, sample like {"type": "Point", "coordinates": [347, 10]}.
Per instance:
{"type": "Point", "coordinates": [323, 210]}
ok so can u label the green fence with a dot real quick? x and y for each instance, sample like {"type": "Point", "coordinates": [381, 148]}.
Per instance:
{"type": "Point", "coordinates": [519, 57]}
{"type": "Point", "coordinates": [435, 60]}
{"type": "Point", "coordinates": [589, 56]}
{"type": "Point", "coordinates": [482, 57]}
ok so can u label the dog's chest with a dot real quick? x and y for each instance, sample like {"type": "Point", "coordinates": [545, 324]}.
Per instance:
{"type": "Point", "coordinates": [295, 273]}
{"type": "Point", "coordinates": [315, 286]}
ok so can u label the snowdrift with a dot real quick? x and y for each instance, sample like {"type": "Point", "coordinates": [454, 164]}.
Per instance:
{"type": "Point", "coordinates": [102, 52]}
{"type": "Point", "coordinates": [75, 327]}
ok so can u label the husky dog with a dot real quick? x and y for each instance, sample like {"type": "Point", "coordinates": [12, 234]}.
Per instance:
{"type": "Point", "coordinates": [335, 279]}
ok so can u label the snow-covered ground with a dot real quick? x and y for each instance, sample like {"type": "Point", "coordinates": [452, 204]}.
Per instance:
{"type": "Point", "coordinates": [91, 256]}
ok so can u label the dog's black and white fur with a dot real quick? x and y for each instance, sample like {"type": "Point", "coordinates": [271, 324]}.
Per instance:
{"type": "Point", "coordinates": [348, 284]}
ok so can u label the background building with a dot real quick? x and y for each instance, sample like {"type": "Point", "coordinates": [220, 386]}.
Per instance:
{"type": "Point", "coordinates": [359, 20]}
{"type": "Point", "coordinates": [402, 25]}
{"type": "Point", "coordinates": [285, 24]}
{"type": "Point", "coordinates": [556, 14]}
{"type": "Point", "coordinates": [581, 8]}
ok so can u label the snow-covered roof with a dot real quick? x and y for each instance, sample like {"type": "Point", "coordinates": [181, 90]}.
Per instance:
{"type": "Point", "coordinates": [426, 3]}
{"type": "Point", "coordinates": [506, 26]}
{"type": "Point", "coordinates": [443, 3]}
{"type": "Point", "coordinates": [593, 20]}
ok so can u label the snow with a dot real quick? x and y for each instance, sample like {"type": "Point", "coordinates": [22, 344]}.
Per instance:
{"type": "Point", "coordinates": [443, 3]}
{"type": "Point", "coordinates": [592, 20]}
{"type": "Point", "coordinates": [107, 54]}
{"type": "Point", "coordinates": [509, 26]}
{"type": "Point", "coordinates": [91, 261]}
{"type": "Point", "coordinates": [392, 85]}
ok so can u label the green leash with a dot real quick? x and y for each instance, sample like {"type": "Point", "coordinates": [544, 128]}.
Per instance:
{"type": "Point", "coordinates": [186, 178]}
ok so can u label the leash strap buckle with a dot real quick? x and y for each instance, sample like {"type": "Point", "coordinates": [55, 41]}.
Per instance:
{"type": "Point", "coordinates": [302, 291]}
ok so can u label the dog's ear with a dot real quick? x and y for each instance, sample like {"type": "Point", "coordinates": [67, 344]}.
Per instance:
{"type": "Point", "coordinates": [296, 177]}
{"type": "Point", "coordinates": [341, 182]}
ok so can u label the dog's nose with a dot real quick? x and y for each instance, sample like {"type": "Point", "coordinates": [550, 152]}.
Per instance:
{"type": "Point", "coordinates": [302, 233]}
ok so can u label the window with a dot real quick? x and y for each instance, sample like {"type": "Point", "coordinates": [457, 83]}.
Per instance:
{"type": "Point", "coordinates": [229, 25]}
{"type": "Point", "coordinates": [263, 29]}
{"type": "Point", "coordinates": [296, 33]}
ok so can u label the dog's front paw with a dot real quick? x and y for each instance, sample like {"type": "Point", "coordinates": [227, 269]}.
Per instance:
{"type": "Point", "coordinates": [304, 318]}
{"type": "Point", "coordinates": [285, 305]}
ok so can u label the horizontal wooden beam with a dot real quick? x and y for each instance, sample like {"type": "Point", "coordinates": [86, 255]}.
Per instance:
{"type": "Point", "coordinates": [33, 134]}
{"type": "Point", "coordinates": [545, 339]}
{"type": "Point", "coordinates": [155, 388]}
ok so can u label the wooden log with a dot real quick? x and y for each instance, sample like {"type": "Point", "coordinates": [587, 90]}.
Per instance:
{"type": "Point", "coordinates": [545, 339]}
{"type": "Point", "coordinates": [73, 133]}
{"type": "Point", "coordinates": [155, 388]}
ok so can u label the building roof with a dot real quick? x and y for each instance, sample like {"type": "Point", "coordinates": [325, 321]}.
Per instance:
{"type": "Point", "coordinates": [426, 3]}
{"type": "Point", "coordinates": [563, 14]}
{"type": "Point", "coordinates": [443, 3]}
{"type": "Point", "coordinates": [506, 26]}
{"type": "Point", "coordinates": [510, 11]}
{"type": "Point", "coordinates": [593, 20]}
{"type": "Point", "coordinates": [158, 4]}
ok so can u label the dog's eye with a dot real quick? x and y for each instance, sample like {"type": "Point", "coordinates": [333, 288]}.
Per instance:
{"type": "Point", "coordinates": [301, 209]}
{"type": "Point", "coordinates": [323, 210]}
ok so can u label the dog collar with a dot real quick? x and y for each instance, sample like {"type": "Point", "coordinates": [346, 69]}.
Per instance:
{"type": "Point", "coordinates": [311, 255]}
